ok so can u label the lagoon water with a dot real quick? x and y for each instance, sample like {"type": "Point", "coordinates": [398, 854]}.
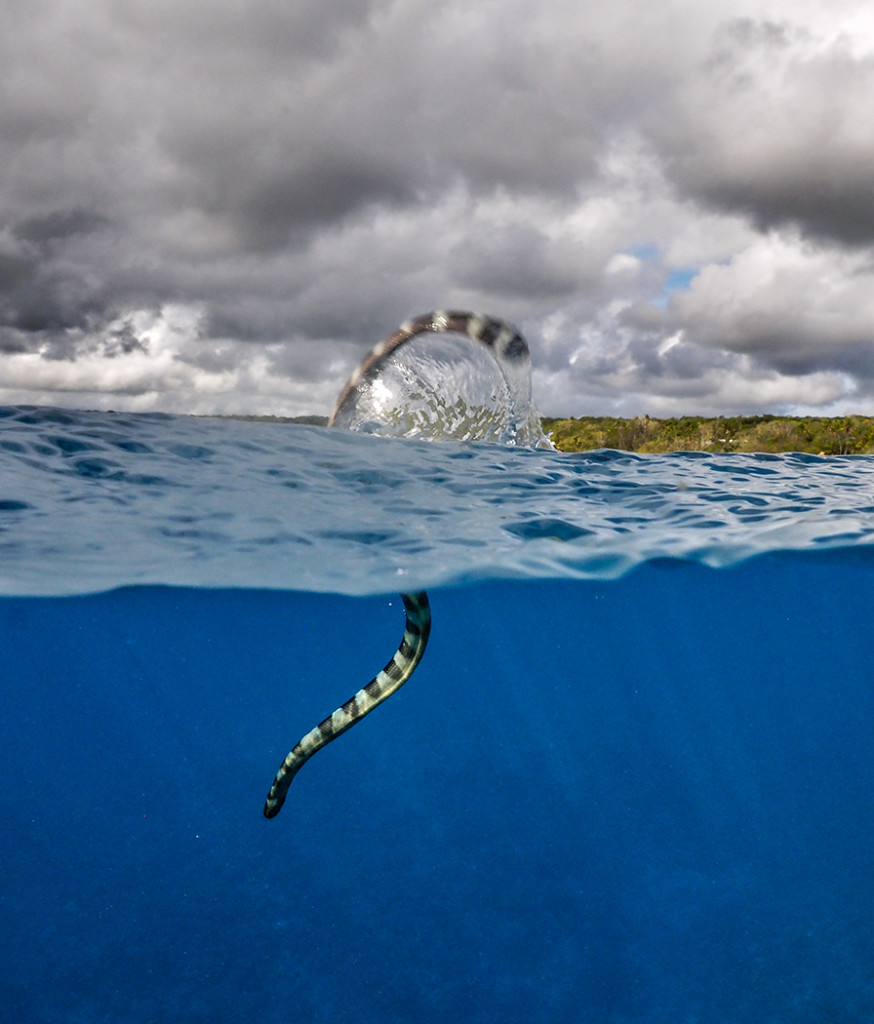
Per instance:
{"type": "Point", "coordinates": [630, 782]}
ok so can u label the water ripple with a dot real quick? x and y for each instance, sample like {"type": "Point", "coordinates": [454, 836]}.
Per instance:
{"type": "Point", "coordinates": [90, 501]}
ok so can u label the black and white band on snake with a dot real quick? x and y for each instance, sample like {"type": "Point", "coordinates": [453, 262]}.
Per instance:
{"type": "Point", "coordinates": [392, 677]}
{"type": "Point", "coordinates": [508, 344]}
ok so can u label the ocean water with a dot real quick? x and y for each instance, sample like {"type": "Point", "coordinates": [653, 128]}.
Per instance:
{"type": "Point", "coordinates": [629, 783]}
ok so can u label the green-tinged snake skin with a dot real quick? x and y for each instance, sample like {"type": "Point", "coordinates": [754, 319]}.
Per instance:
{"type": "Point", "coordinates": [391, 678]}
{"type": "Point", "coordinates": [510, 345]}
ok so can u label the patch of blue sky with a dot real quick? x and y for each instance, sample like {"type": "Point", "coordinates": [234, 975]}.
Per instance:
{"type": "Point", "coordinates": [677, 281]}
{"type": "Point", "coordinates": [646, 253]}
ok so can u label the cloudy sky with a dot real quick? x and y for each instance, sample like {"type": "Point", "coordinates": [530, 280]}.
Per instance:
{"type": "Point", "coordinates": [220, 205]}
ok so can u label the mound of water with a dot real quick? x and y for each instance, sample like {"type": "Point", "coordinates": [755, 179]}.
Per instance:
{"type": "Point", "coordinates": [448, 388]}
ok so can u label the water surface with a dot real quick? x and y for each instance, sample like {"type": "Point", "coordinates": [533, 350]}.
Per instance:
{"type": "Point", "coordinates": [630, 782]}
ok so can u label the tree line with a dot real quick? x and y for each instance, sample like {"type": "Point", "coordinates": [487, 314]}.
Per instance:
{"type": "Point", "coordinates": [818, 435]}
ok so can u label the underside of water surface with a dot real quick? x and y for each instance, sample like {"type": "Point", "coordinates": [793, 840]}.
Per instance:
{"type": "Point", "coordinates": [635, 800]}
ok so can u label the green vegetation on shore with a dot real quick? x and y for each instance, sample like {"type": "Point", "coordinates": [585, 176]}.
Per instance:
{"type": "Point", "coordinates": [819, 435]}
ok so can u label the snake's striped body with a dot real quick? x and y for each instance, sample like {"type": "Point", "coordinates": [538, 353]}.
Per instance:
{"type": "Point", "coordinates": [505, 340]}
{"type": "Point", "coordinates": [391, 678]}
{"type": "Point", "coordinates": [508, 344]}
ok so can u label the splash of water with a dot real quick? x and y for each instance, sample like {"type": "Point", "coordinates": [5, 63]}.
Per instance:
{"type": "Point", "coordinates": [448, 387]}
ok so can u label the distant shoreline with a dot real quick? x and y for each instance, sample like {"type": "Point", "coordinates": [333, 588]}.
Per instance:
{"type": "Point", "coordinates": [815, 435]}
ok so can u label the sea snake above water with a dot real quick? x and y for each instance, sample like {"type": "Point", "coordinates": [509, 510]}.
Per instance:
{"type": "Point", "coordinates": [507, 343]}
{"type": "Point", "coordinates": [504, 341]}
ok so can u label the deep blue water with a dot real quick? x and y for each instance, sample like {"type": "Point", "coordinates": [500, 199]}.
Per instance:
{"type": "Point", "coordinates": [631, 797]}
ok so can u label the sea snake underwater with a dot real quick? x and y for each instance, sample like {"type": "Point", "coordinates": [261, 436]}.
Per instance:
{"type": "Point", "coordinates": [506, 343]}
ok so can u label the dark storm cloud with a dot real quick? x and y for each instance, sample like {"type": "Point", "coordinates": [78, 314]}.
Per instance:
{"type": "Point", "coordinates": [58, 224]}
{"type": "Point", "coordinates": [40, 292]}
{"type": "Point", "coordinates": [184, 186]}
{"type": "Point", "coordinates": [277, 29]}
{"type": "Point", "coordinates": [778, 128]}
{"type": "Point", "coordinates": [14, 268]}
{"type": "Point", "coordinates": [515, 262]}
{"type": "Point", "coordinates": [288, 205]}
{"type": "Point", "coordinates": [182, 139]}
{"type": "Point", "coordinates": [407, 108]}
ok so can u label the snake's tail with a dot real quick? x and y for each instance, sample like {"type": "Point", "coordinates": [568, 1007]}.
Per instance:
{"type": "Point", "coordinates": [391, 678]}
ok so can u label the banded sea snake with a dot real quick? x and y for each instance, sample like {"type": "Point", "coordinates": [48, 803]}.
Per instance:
{"type": "Point", "coordinates": [506, 343]}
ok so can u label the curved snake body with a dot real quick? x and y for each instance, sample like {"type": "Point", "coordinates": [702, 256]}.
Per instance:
{"type": "Point", "coordinates": [391, 678]}
{"type": "Point", "coordinates": [507, 343]}
{"type": "Point", "coordinates": [505, 340]}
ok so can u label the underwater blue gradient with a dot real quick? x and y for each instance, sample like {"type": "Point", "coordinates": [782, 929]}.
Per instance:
{"type": "Point", "coordinates": [638, 800]}
{"type": "Point", "coordinates": [633, 800]}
